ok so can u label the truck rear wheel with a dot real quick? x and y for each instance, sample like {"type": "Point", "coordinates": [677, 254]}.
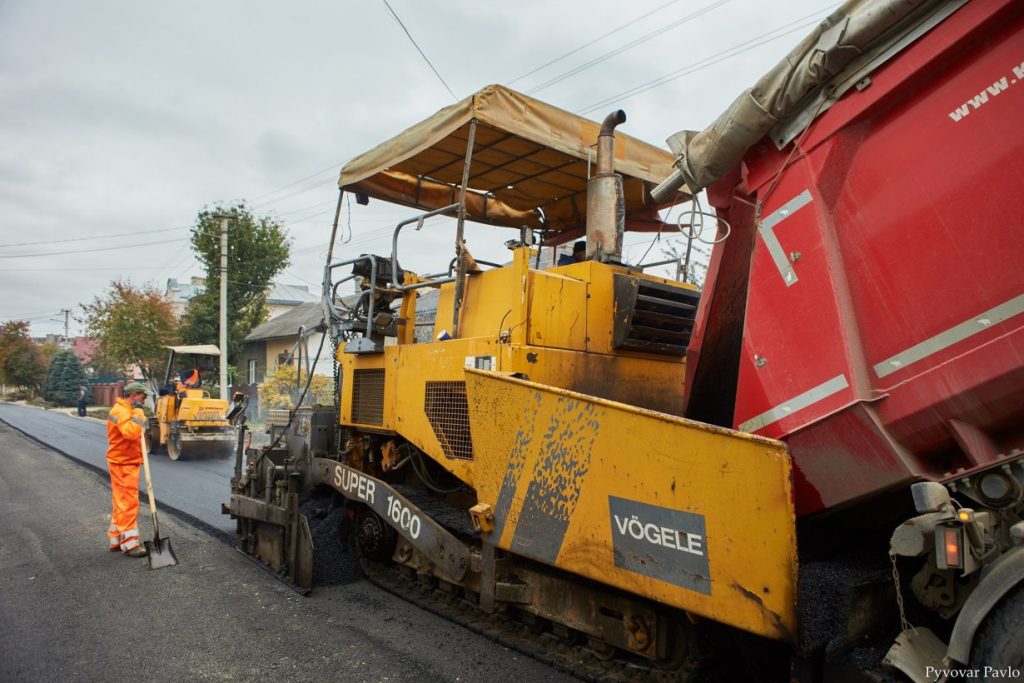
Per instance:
{"type": "Point", "coordinates": [999, 645]}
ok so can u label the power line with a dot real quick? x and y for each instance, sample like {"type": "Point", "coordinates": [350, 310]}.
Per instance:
{"type": "Point", "coordinates": [419, 50]}
{"type": "Point", "coordinates": [300, 180]}
{"type": "Point", "coordinates": [305, 208]}
{"type": "Point", "coordinates": [37, 314]}
{"type": "Point", "coordinates": [630, 45]}
{"type": "Point", "coordinates": [97, 237]}
{"type": "Point", "coordinates": [299, 277]}
{"type": "Point", "coordinates": [297, 191]}
{"type": "Point", "coordinates": [738, 49]}
{"type": "Point", "coordinates": [88, 251]}
{"type": "Point", "coordinates": [58, 269]}
{"type": "Point", "coordinates": [595, 40]}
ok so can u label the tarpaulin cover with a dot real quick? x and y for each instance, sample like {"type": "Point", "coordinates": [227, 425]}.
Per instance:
{"type": "Point", "coordinates": [854, 31]}
{"type": "Point", "coordinates": [526, 155]}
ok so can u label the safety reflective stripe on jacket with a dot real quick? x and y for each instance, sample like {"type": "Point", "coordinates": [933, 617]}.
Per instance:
{"type": "Point", "coordinates": [125, 426]}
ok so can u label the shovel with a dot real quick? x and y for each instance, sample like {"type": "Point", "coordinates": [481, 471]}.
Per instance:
{"type": "Point", "coordinates": [161, 554]}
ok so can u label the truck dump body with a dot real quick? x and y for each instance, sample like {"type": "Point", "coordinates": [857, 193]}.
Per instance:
{"type": "Point", "coordinates": [869, 299]}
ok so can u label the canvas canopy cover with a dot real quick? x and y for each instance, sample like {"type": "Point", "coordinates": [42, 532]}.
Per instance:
{"type": "Point", "coordinates": [527, 155]}
{"type": "Point", "coordinates": [196, 349]}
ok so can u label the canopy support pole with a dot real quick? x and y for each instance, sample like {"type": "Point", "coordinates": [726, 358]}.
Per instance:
{"type": "Point", "coordinates": [460, 247]}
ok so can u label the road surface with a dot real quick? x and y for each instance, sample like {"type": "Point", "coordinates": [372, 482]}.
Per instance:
{"type": "Point", "coordinates": [72, 609]}
{"type": "Point", "coordinates": [194, 487]}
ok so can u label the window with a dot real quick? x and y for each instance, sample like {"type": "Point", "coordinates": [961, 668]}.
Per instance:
{"type": "Point", "coordinates": [252, 371]}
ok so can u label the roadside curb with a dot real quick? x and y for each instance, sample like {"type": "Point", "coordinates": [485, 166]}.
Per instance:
{"type": "Point", "coordinates": [62, 411]}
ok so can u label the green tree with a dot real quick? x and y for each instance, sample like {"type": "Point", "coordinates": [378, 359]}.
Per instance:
{"type": "Point", "coordinates": [258, 249]}
{"type": "Point", "coordinates": [133, 325]}
{"type": "Point", "coordinates": [21, 362]}
{"type": "Point", "coordinates": [66, 375]}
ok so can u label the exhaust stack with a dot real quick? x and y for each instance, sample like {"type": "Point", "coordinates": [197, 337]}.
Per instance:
{"type": "Point", "coordinates": [606, 208]}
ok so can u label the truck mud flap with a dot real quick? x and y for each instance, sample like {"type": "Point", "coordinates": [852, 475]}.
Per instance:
{"type": "Point", "coordinates": [442, 548]}
{"type": "Point", "coordinates": [684, 513]}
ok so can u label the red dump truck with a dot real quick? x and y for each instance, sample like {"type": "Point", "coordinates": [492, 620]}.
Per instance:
{"type": "Point", "coordinates": [867, 308]}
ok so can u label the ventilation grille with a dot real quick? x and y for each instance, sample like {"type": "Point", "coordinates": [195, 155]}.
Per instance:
{"type": "Point", "coordinates": [446, 409]}
{"type": "Point", "coordinates": [368, 397]}
{"type": "Point", "coordinates": [656, 318]}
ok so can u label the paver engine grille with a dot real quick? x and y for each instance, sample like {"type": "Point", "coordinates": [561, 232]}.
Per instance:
{"type": "Point", "coordinates": [448, 413]}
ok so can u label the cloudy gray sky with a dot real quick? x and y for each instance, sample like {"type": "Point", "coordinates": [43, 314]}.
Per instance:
{"type": "Point", "coordinates": [120, 120]}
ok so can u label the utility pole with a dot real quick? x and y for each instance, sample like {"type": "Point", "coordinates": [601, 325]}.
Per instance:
{"type": "Point", "coordinates": [67, 324]}
{"type": "Point", "coordinates": [224, 307]}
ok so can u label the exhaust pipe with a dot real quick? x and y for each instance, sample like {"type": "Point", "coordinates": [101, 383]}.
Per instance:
{"type": "Point", "coordinates": [606, 207]}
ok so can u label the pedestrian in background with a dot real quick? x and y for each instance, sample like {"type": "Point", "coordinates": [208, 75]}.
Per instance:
{"type": "Point", "coordinates": [82, 391]}
{"type": "Point", "coordinates": [126, 426]}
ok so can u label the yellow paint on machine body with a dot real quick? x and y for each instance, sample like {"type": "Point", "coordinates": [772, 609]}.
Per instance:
{"type": "Point", "coordinates": [686, 514]}
{"type": "Point", "coordinates": [556, 403]}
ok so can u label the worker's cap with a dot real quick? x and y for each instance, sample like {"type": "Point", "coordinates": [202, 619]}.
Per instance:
{"type": "Point", "coordinates": [136, 388]}
{"type": "Point", "coordinates": [579, 246]}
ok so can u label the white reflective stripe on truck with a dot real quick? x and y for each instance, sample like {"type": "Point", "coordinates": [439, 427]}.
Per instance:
{"type": "Point", "coordinates": [957, 333]}
{"type": "Point", "coordinates": [766, 226]}
{"type": "Point", "coordinates": [786, 408]}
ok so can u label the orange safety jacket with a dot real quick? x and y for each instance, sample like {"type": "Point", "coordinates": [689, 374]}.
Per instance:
{"type": "Point", "coordinates": [125, 426]}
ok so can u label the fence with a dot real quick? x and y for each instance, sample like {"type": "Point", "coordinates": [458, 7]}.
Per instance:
{"type": "Point", "coordinates": [105, 393]}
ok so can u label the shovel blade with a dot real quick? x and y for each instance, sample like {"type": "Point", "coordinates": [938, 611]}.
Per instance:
{"type": "Point", "coordinates": [161, 554]}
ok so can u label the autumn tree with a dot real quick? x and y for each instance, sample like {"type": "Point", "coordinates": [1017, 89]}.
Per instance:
{"type": "Point", "coordinates": [21, 362]}
{"type": "Point", "coordinates": [49, 351]}
{"type": "Point", "coordinates": [133, 325]}
{"type": "Point", "coordinates": [283, 388]}
{"type": "Point", "coordinates": [258, 249]}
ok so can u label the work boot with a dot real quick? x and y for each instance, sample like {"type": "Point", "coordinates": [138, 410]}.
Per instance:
{"type": "Point", "coordinates": [137, 551]}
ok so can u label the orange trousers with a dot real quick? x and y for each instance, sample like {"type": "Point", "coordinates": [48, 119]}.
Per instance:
{"type": "Point", "coordinates": [123, 532]}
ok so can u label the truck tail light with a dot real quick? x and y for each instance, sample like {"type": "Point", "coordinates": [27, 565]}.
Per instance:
{"type": "Point", "coordinates": [953, 547]}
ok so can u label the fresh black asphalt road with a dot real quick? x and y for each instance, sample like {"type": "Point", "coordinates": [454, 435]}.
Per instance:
{"type": "Point", "coordinates": [195, 487]}
{"type": "Point", "coordinates": [70, 609]}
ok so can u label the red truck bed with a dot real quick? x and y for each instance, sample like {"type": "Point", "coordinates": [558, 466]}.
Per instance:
{"type": "Point", "coordinates": [872, 289]}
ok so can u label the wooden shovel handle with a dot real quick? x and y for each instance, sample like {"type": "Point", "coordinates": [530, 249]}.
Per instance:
{"type": "Point", "coordinates": [149, 486]}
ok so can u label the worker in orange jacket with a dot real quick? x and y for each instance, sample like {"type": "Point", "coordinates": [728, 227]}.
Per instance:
{"type": "Point", "coordinates": [126, 426]}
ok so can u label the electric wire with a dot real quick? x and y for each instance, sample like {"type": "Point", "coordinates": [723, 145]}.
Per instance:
{"type": "Point", "coordinates": [413, 41]}
{"type": "Point", "coordinates": [595, 40]}
{"type": "Point", "coordinates": [292, 184]}
{"type": "Point", "coordinates": [630, 45]}
{"type": "Point", "coordinates": [95, 237]}
{"type": "Point", "coordinates": [90, 251]}
{"type": "Point", "coordinates": [711, 60]}
{"type": "Point", "coordinates": [293, 193]}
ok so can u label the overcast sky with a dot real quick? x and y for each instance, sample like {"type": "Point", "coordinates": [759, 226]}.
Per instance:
{"type": "Point", "coordinates": [120, 120]}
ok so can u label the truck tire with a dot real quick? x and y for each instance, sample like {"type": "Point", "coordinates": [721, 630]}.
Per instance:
{"type": "Point", "coordinates": [999, 644]}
